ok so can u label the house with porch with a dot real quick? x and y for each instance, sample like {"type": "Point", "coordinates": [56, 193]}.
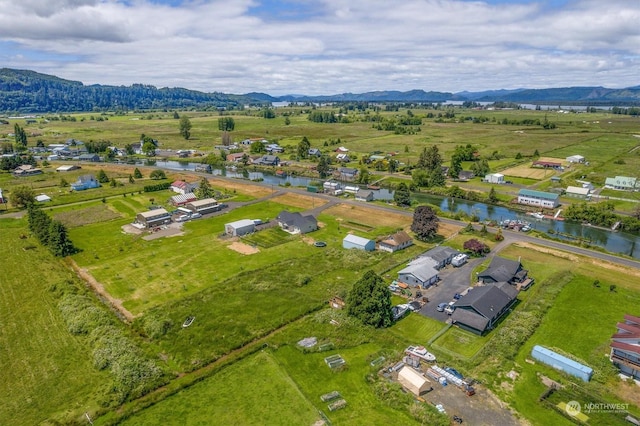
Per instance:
{"type": "Point", "coordinates": [296, 223]}
{"type": "Point", "coordinates": [503, 270]}
{"type": "Point", "coordinates": [398, 241]}
{"type": "Point", "coordinates": [622, 183]}
{"type": "Point", "coordinates": [481, 308]}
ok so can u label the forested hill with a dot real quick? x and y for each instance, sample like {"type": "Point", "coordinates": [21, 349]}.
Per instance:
{"type": "Point", "coordinates": [29, 91]}
{"type": "Point", "coordinates": [24, 91]}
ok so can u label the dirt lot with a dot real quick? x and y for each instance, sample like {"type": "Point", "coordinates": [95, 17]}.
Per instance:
{"type": "Point", "coordinates": [483, 408]}
{"type": "Point", "coordinates": [298, 200]}
{"type": "Point", "coordinates": [526, 171]}
{"type": "Point", "coordinates": [243, 248]}
{"type": "Point", "coordinates": [368, 216]}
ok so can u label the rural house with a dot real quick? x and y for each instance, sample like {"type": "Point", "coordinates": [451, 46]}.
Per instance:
{"type": "Point", "coordinates": [354, 242]}
{"type": "Point", "coordinates": [26, 170]}
{"type": "Point", "coordinates": [531, 197]}
{"type": "Point", "coordinates": [85, 182]}
{"type": "Point", "coordinates": [577, 192]}
{"type": "Point", "coordinates": [503, 270]}
{"type": "Point", "coordinates": [625, 347]}
{"type": "Point", "coordinates": [332, 187]}
{"type": "Point", "coordinates": [398, 241]}
{"type": "Point", "coordinates": [235, 157]}
{"type": "Point", "coordinates": [152, 218]}
{"type": "Point", "coordinates": [314, 152]}
{"type": "Point", "coordinates": [182, 187]}
{"type": "Point", "coordinates": [267, 160]}
{"type": "Point", "coordinates": [347, 173]}
{"type": "Point", "coordinates": [89, 157]}
{"type": "Point", "coordinates": [296, 223]}
{"type": "Point", "coordinates": [622, 183]}
{"type": "Point", "coordinates": [483, 306]}
{"type": "Point", "coordinates": [365, 195]}
{"type": "Point", "coordinates": [240, 227]}
{"type": "Point", "coordinates": [442, 255]}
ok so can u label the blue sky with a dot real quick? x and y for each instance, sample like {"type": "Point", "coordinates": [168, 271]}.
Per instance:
{"type": "Point", "coordinates": [326, 46]}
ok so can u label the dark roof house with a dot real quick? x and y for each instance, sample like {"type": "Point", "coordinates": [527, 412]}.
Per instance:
{"type": "Point", "coordinates": [503, 270]}
{"type": "Point", "coordinates": [296, 223]}
{"type": "Point", "coordinates": [268, 160]}
{"type": "Point", "coordinates": [483, 306]}
{"type": "Point", "coordinates": [442, 255]}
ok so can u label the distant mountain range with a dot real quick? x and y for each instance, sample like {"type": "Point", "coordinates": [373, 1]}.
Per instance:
{"type": "Point", "coordinates": [23, 91]}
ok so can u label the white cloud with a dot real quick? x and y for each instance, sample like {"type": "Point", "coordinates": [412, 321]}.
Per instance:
{"type": "Point", "coordinates": [364, 45]}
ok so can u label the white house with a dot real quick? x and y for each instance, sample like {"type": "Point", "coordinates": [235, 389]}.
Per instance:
{"type": "Point", "coordinates": [494, 178]}
{"type": "Point", "coordinates": [398, 241]}
{"type": "Point", "coordinates": [542, 199]}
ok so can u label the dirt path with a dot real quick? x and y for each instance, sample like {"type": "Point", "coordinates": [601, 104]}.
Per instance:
{"type": "Point", "coordinates": [102, 293]}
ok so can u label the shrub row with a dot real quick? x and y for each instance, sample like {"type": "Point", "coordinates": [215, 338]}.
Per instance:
{"type": "Point", "coordinates": [157, 187]}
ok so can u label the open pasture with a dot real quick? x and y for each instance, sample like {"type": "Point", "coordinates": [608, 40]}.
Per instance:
{"type": "Point", "coordinates": [47, 372]}
{"type": "Point", "coordinates": [300, 201]}
{"type": "Point", "coordinates": [527, 171]}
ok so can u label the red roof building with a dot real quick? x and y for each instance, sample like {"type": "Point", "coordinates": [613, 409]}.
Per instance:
{"type": "Point", "coordinates": [625, 346]}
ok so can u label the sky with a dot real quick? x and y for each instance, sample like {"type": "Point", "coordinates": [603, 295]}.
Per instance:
{"type": "Point", "coordinates": [323, 47]}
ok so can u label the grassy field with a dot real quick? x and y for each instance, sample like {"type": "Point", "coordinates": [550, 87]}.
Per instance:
{"type": "Point", "coordinates": [47, 373]}
{"type": "Point", "coordinates": [257, 391]}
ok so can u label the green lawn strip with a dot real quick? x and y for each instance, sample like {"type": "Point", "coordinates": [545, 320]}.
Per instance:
{"type": "Point", "coordinates": [461, 342]}
{"type": "Point", "coordinates": [253, 391]}
{"type": "Point", "coordinates": [47, 372]}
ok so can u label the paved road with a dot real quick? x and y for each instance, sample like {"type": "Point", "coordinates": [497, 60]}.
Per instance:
{"type": "Point", "coordinates": [510, 236]}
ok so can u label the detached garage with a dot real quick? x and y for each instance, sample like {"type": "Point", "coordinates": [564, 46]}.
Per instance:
{"type": "Point", "coordinates": [413, 381]}
{"type": "Point", "coordinates": [354, 242]}
{"type": "Point", "coordinates": [240, 227]}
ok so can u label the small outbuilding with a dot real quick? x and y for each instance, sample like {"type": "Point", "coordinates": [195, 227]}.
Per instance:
{"type": "Point", "coordinates": [413, 381]}
{"type": "Point", "coordinates": [354, 242]}
{"type": "Point", "coordinates": [577, 192]}
{"type": "Point", "coordinates": [494, 178]}
{"type": "Point", "coordinates": [240, 227]}
{"type": "Point", "coordinates": [43, 198]}
{"type": "Point", "coordinates": [67, 168]}
{"type": "Point", "coordinates": [575, 159]}
{"type": "Point", "coordinates": [364, 195]}
{"type": "Point", "coordinates": [182, 199]}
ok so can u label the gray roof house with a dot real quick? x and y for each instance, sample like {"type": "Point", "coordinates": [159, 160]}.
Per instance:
{"type": "Point", "coordinates": [364, 195]}
{"type": "Point", "coordinates": [442, 255]}
{"type": "Point", "coordinates": [419, 273]}
{"type": "Point", "coordinates": [268, 160]}
{"type": "Point", "coordinates": [483, 306]}
{"type": "Point", "coordinates": [503, 270]}
{"type": "Point", "coordinates": [296, 223]}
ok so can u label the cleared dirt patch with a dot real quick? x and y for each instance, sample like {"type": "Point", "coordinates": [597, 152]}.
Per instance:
{"type": "Point", "coordinates": [368, 216]}
{"type": "Point", "coordinates": [241, 187]}
{"type": "Point", "coordinates": [299, 200]}
{"type": "Point", "coordinates": [526, 171]}
{"type": "Point", "coordinates": [243, 248]}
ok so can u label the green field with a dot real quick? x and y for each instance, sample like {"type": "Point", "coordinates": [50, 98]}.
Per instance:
{"type": "Point", "coordinates": [238, 362]}
{"type": "Point", "coordinates": [48, 373]}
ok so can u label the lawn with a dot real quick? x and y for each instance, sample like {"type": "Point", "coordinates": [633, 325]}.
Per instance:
{"type": "Point", "coordinates": [254, 391]}
{"type": "Point", "coordinates": [47, 372]}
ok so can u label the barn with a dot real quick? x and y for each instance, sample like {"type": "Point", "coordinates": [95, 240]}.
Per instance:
{"type": "Point", "coordinates": [561, 362]}
{"type": "Point", "coordinates": [153, 218]}
{"type": "Point", "coordinates": [354, 242]}
{"type": "Point", "coordinates": [240, 227]}
{"type": "Point", "coordinates": [204, 206]}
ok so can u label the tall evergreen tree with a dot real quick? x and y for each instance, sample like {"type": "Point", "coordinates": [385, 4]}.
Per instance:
{"type": "Point", "coordinates": [58, 241]}
{"type": "Point", "coordinates": [303, 148]}
{"type": "Point", "coordinates": [402, 195]}
{"type": "Point", "coordinates": [185, 127]}
{"type": "Point", "coordinates": [370, 301]}
{"type": "Point", "coordinates": [204, 189]}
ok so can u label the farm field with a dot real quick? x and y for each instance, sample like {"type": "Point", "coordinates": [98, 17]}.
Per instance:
{"type": "Point", "coordinates": [271, 288]}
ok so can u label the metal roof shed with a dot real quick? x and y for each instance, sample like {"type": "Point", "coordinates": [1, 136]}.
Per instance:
{"type": "Point", "coordinates": [561, 362]}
